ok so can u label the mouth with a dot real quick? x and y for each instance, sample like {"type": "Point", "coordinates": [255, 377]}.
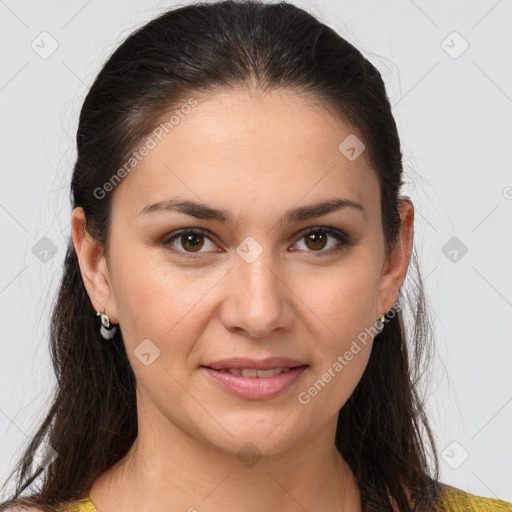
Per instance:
{"type": "Point", "coordinates": [255, 383]}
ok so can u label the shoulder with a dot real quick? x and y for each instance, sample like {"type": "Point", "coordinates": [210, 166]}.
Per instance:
{"type": "Point", "coordinates": [80, 505]}
{"type": "Point", "coordinates": [453, 499]}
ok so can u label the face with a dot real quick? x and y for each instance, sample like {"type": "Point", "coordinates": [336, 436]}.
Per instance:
{"type": "Point", "coordinates": [192, 288]}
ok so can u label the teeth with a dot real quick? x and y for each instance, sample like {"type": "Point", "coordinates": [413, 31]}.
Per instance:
{"type": "Point", "coordinates": [252, 372]}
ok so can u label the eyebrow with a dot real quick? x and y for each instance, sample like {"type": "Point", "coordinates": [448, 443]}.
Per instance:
{"type": "Point", "coordinates": [203, 211]}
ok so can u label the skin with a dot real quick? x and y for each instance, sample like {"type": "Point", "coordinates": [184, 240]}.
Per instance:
{"type": "Point", "coordinates": [256, 155]}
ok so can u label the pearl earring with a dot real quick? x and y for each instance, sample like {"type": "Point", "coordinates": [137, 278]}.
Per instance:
{"type": "Point", "coordinates": [107, 330]}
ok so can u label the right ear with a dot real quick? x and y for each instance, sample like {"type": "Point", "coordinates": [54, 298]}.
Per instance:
{"type": "Point", "coordinates": [93, 266]}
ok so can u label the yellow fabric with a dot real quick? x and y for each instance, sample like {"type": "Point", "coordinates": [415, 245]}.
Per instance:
{"type": "Point", "coordinates": [83, 505]}
{"type": "Point", "coordinates": [456, 500]}
{"type": "Point", "coordinates": [452, 500]}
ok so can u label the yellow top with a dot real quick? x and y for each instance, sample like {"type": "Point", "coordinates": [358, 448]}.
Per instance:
{"type": "Point", "coordinates": [452, 500]}
{"type": "Point", "coordinates": [456, 500]}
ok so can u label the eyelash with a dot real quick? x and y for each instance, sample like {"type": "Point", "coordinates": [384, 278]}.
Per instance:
{"type": "Point", "coordinates": [342, 237]}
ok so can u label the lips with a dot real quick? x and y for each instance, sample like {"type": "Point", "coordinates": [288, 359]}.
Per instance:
{"type": "Point", "coordinates": [253, 379]}
{"type": "Point", "coordinates": [255, 388]}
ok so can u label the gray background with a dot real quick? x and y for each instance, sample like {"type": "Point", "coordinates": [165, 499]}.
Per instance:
{"type": "Point", "coordinates": [454, 113]}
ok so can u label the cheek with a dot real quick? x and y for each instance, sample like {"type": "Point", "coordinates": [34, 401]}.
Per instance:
{"type": "Point", "coordinates": [342, 300]}
{"type": "Point", "coordinates": [167, 306]}
{"type": "Point", "coordinates": [343, 323]}
{"type": "Point", "coordinates": [340, 357]}
{"type": "Point", "coordinates": [333, 380]}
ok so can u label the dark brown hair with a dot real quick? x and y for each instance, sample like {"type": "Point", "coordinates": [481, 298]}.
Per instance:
{"type": "Point", "coordinates": [193, 51]}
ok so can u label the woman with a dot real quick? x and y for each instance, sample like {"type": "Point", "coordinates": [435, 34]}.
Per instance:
{"type": "Point", "coordinates": [229, 331]}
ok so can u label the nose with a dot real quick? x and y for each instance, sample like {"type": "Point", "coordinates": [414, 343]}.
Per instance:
{"type": "Point", "coordinates": [258, 300]}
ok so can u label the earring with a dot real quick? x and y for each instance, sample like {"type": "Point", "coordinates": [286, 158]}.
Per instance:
{"type": "Point", "coordinates": [382, 319]}
{"type": "Point", "coordinates": [107, 330]}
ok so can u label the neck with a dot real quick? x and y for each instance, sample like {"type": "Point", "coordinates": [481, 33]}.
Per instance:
{"type": "Point", "coordinates": [171, 470]}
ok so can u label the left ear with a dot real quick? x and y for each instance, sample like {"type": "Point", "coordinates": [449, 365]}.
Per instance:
{"type": "Point", "coordinates": [395, 268]}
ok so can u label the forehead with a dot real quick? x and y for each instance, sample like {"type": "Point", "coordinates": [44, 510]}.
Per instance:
{"type": "Point", "coordinates": [243, 148]}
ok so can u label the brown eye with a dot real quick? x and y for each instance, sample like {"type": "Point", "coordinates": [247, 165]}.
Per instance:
{"type": "Point", "coordinates": [317, 239]}
{"type": "Point", "coordinates": [189, 241]}
{"type": "Point", "coordinates": [192, 241]}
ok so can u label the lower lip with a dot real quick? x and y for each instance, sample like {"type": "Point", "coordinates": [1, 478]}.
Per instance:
{"type": "Point", "coordinates": [255, 388]}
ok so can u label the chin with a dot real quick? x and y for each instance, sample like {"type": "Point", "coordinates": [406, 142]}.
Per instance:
{"type": "Point", "coordinates": [255, 434]}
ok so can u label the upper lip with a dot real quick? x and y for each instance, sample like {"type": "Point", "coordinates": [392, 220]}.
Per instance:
{"type": "Point", "coordinates": [258, 364]}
